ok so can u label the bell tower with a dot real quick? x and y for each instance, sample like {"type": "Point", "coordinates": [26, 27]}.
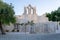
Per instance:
{"type": "Point", "coordinates": [29, 10]}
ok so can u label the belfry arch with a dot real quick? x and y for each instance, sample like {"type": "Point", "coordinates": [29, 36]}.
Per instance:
{"type": "Point", "coordinates": [29, 10]}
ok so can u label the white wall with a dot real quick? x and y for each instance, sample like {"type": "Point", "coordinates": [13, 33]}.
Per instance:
{"type": "Point", "coordinates": [48, 27]}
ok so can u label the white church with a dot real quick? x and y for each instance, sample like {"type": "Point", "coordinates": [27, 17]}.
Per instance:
{"type": "Point", "coordinates": [41, 23]}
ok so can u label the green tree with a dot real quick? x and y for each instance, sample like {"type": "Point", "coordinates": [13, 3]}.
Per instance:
{"type": "Point", "coordinates": [54, 16]}
{"type": "Point", "coordinates": [6, 15]}
{"type": "Point", "coordinates": [1, 0]}
{"type": "Point", "coordinates": [31, 23]}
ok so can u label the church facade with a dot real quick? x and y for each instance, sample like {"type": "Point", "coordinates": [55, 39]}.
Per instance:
{"type": "Point", "coordinates": [31, 15]}
{"type": "Point", "coordinates": [41, 23]}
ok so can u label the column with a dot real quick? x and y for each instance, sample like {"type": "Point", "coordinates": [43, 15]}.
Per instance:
{"type": "Point", "coordinates": [25, 11]}
{"type": "Point", "coordinates": [29, 9]}
{"type": "Point", "coordinates": [34, 10]}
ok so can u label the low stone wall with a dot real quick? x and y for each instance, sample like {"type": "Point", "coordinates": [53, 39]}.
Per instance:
{"type": "Point", "coordinates": [48, 27]}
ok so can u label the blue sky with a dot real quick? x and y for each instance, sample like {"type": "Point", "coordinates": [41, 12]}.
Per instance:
{"type": "Point", "coordinates": [42, 6]}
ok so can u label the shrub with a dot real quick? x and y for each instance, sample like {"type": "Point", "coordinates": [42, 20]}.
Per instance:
{"type": "Point", "coordinates": [17, 30]}
{"type": "Point", "coordinates": [13, 30]}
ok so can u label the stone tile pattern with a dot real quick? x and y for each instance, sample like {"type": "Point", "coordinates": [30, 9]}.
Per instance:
{"type": "Point", "coordinates": [30, 37]}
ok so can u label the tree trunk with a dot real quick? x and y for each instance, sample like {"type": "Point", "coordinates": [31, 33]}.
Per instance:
{"type": "Point", "coordinates": [1, 28]}
{"type": "Point", "coordinates": [57, 25]}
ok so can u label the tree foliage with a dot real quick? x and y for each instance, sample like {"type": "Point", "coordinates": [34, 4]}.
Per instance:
{"type": "Point", "coordinates": [6, 13]}
{"type": "Point", "coordinates": [54, 15]}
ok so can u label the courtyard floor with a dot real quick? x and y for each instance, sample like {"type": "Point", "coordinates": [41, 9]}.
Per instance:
{"type": "Point", "coordinates": [17, 36]}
